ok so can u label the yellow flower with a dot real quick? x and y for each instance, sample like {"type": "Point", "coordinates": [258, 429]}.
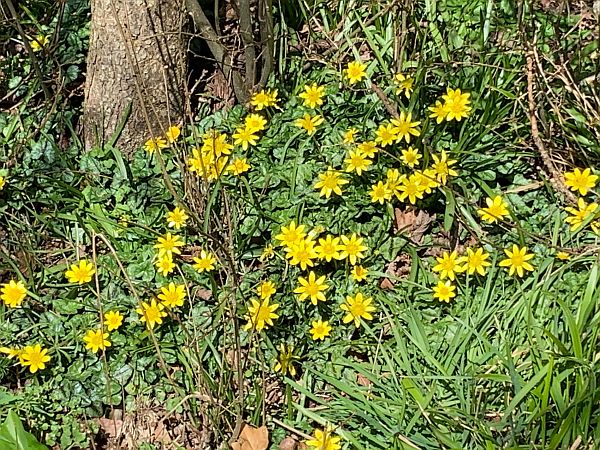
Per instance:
{"type": "Point", "coordinates": [177, 218]}
{"type": "Point", "coordinates": [444, 292]}
{"type": "Point", "coordinates": [286, 360]}
{"type": "Point", "coordinates": [2, 182]}
{"type": "Point", "coordinates": [151, 313]}
{"type": "Point", "coordinates": [264, 99]}
{"type": "Point", "coordinates": [35, 357]}
{"type": "Point", "coordinates": [404, 127]}
{"type": "Point", "coordinates": [204, 262]}
{"type": "Point", "coordinates": [96, 340]}
{"type": "Point", "coordinates": [355, 71]}
{"type": "Point", "coordinates": [386, 135]}
{"type": "Point", "coordinates": [403, 84]}
{"type": "Point", "coordinates": [13, 353]}
{"type": "Point", "coordinates": [172, 295]}
{"type": "Point", "coordinates": [580, 216]}
{"type": "Point", "coordinates": [320, 329]}
{"type": "Point", "coordinates": [113, 320]}
{"type": "Point", "coordinates": [244, 137]}
{"type": "Point", "coordinates": [439, 111]}
{"type": "Point", "coordinates": [302, 253]}
{"type": "Point", "coordinates": [214, 144]}
{"type": "Point", "coordinates": [411, 187]}
{"type": "Point", "coordinates": [352, 248]}
{"type": "Point", "coordinates": [291, 234]}
{"type": "Point", "coordinates": [456, 104]}
{"type": "Point", "coordinates": [580, 181]}
{"type": "Point", "coordinates": [357, 162]}
{"type": "Point", "coordinates": [164, 265]}
{"type": "Point", "coordinates": [152, 145]}
{"type": "Point", "coordinates": [13, 293]}
{"type": "Point", "coordinates": [517, 260]}
{"type": "Point", "coordinates": [267, 253]}
{"type": "Point", "coordinates": [359, 273]}
{"type": "Point", "coordinates": [410, 157]}
{"type": "Point", "coordinates": [349, 135]}
{"type": "Point", "coordinates": [368, 149]}
{"type": "Point", "coordinates": [80, 273]}
{"type": "Point", "coordinates": [313, 95]}
{"type": "Point", "coordinates": [39, 42]}
{"type": "Point", "coordinates": [475, 261]}
{"type": "Point", "coordinates": [329, 248]}
{"type": "Point", "coordinates": [393, 181]}
{"type": "Point", "coordinates": [238, 166]}
{"type": "Point", "coordinates": [379, 192]}
{"type": "Point", "coordinates": [309, 123]}
{"type": "Point", "coordinates": [563, 256]}
{"type": "Point", "coordinates": [312, 288]}
{"type": "Point", "coordinates": [448, 264]}
{"type": "Point", "coordinates": [357, 307]}
{"type": "Point", "coordinates": [255, 122]}
{"type": "Point", "coordinates": [168, 245]}
{"type": "Point", "coordinates": [496, 209]}
{"type": "Point", "coordinates": [427, 180]}
{"type": "Point", "coordinates": [260, 314]}
{"type": "Point", "coordinates": [441, 167]}
{"type": "Point", "coordinates": [173, 133]}
{"type": "Point", "coordinates": [266, 289]}
{"type": "Point", "coordinates": [330, 182]}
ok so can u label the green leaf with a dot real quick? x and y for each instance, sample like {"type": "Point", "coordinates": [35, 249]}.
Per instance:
{"type": "Point", "coordinates": [14, 437]}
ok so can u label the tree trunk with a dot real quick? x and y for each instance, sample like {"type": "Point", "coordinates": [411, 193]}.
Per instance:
{"type": "Point", "coordinates": [136, 63]}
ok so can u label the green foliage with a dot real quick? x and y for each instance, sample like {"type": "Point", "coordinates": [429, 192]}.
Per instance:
{"type": "Point", "coordinates": [14, 436]}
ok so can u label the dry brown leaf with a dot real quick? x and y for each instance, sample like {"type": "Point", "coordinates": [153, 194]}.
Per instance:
{"type": "Point", "coordinates": [413, 224]}
{"type": "Point", "coordinates": [252, 438]}
{"type": "Point", "coordinates": [111, 427]}
{"type": "Point", "coordinates": [361, 380]}
{"type": "Point", "coordinates": [398, 268]}
{"type": "Point", "coordinates": [289, 443]}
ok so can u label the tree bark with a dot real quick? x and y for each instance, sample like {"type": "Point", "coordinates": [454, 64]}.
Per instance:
{"type": "Point", "coordinates": [137, 64]}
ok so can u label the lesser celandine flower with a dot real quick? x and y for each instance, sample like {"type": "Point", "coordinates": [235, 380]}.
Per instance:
{"type": "Point", "coordinates": [39, 42]}
{"type": "Point", "coordinates": [403, 84]}
{"type": "Point", "coordinates": [330, 182]}
{"type": "Point", "coordinates": [439, 111]}
{"type": "Point", "coordinates": [173, 133]}
{"type": "Point", "coordinates": [410, 188]}
{"type": "Point", "coordinates": [255, 122]}
{"type": "Point", "coordinates": [13, 353]}
{"type": "Point", "coordinates": [320, 329]}
{"type": "Point", "coordinates": [410, 157]}
{"type": "Point", "coordinates": [496, 209]}
{"type": "Point", "coordinates": [368, 148]}
{"type": "Point", "coordinates": [2, 182]}
{"type": "Point", "coordinates": [312, 95]}
{"type": "Point", "coordinates": [96, 340]}
{"type": "Point", "coordinates": [441, 166]}
{"type": "Point", "coordinates": [357, 307]}
{"type": "Point", "coordinates": [448, 265]}
{"type": "Point", "coordinates": [324, 440]}
{"type": "Point", "coordinates": [245, 137]}
{"type": "Point", "coordinates": [152, 145]}
{"type": "Point", "coordinates": [357, 162]}
{"type": "Point", "coordinates": [113, 320]}
{"type": "Point", "coordinates": [581, 181]}
{"type": "Point", "coordinates": [267, 253]}
{"type": "Point", "coordinates": [291, 234]}
{"type": "Point", "coordinates": [238, 166]}
{"type": "Point", "coordinates": [517, 260]}
{"type": "Point", "coordinates": [311, 288]}
{"type": "Point", "coordinates": [172, 295]}
{"type": "Point", "coordinates": [355, 71]}
{"type": "Point", "coordinates": [427, 180]}
{"type": "Point", "coordinates": [349, 135]}
{"type": "Point", "coordinates": [13, 293]}
{"type": "Point", "coordinates": [581, 214]}
{"type": "Point", "coordinates": [264, 99]}
{"type": "Point", "coordinates": [260, 314]}
{"type": "Point", "coordinates": [359, 273]}
{"type": "Point", "coordinates": [302, 253]}
{"type": "Point", "coordinates": [80, 273]}
{"type": "Point", "coordinates": [352, 248]}
{"type": "Point", "coordinates": [285, 361]}
{"type": "Point", "coordinates": [168, 245]}
{"type": "Point", "coordinates": [215, 144]}
{"type": "Point", "coordinates": [563, 256]}
{"type": "Point", "coordinates": [456, 104]}
{"type": "Point", "coordinates": [386, 135]}
{"type": "Point", "coordinates": [164, 265]}
{"type": "Point", "coordinates": [151, 313]}
{"type": "Point", "coordinates": [329, 248]}
{"type": "Point", "coordinates": [476, 261]}
{"type": "Point", "coordinates": [309, 123]}
{"type": "Point", "coordinates": [266, 289]}
{"type": "Point", "coordinates": [204, 262]}
{"type": "Point", "coordinates": [177, 218]}
{"type": "Point", "coordinates": [444, 292]}
{"type": "Point", "coordinates": [35, 357]}
{"type": "Point", "coordinates": [404, 127]}
{"type": "Point", "coordinates": [379, 192]}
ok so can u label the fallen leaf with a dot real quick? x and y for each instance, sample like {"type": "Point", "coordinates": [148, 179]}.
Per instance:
{"type": "Point", "coordinates": [398, 268]}
{"type": "Point", "coordinates": [111, 427]}
{"type": "Point", "coordinates": [252, 438]}
{"type": "Point", "coordinates": [413, 224]}
{"type": "Point", "coordinates": [361, 380]}
{"type": "Point", "coordinates": [289, 443]}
